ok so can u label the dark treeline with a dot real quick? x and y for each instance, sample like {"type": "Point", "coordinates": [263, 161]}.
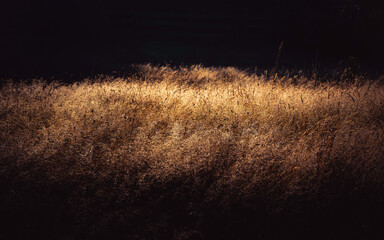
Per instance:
{"type": "Point", "coordinates": [47, 37]}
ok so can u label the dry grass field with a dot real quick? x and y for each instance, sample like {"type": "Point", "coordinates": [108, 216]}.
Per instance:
{"type": "Point", "coordinates": [192, 153]}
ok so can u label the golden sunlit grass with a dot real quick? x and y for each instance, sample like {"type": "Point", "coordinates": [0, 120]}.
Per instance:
{"type": "Point", "coordinates": [195, 139]}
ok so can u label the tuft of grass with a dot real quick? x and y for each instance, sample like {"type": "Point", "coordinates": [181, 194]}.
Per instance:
{"type": "Point", "coordinates": [193, 151]}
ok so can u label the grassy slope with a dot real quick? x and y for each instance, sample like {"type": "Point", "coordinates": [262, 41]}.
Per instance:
{"type": "Point", "coordinates": [172, 154]}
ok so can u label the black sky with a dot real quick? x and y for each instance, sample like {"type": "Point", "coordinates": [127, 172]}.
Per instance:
{"type": "Point", "coordinates": [48, 37]}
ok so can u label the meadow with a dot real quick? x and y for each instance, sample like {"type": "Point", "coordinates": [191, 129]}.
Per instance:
{"type": "Point", "coordinates": [192, 153]}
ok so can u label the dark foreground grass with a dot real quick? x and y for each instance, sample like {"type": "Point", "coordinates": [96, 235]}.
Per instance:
{"type": "Point", "coordinates": [192, 153]}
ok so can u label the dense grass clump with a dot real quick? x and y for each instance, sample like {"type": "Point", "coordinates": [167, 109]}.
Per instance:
{"type": "Point", "coordinates": [192, 153]}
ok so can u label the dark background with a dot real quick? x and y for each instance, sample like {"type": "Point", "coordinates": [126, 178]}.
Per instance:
{"type": "Point", "coordinates": [57, 38]}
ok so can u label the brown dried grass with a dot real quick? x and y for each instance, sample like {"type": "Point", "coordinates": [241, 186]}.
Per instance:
{"type": "Point", "coordinates": [196, 137]}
